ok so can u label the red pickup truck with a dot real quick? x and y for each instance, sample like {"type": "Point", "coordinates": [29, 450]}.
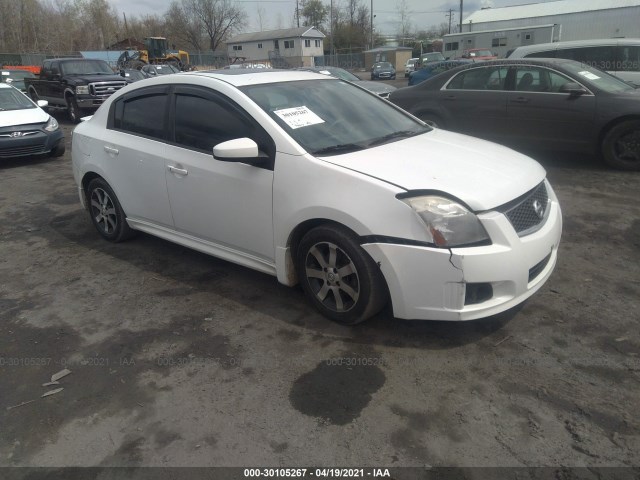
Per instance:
{"type": "Point", "coordinates": [479, 54]}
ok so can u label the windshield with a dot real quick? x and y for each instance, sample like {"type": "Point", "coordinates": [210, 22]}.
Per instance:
{"type": "Point", "coordinates": [332, 116]}
{"type": "Point", "coordinates": [85, 67]}
{"type": "Point", "coordinates": [598, 78]}
{"type": "Point", "coordinates": [165, 69]}
{"type": "Point", "coordinates": [12, 99]}
{"type": "Point", "coordinates": [385, 65]}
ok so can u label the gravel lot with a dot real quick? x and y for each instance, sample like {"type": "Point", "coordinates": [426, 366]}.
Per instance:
{"type": "Point", "coordinates": [181, 359]}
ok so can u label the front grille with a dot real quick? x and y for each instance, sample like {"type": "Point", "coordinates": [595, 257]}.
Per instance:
{"type": "Point", "coordinates": [528, 212]}
{"type": "Point", "coordinates": [104, 90]}
{"type": "Point", "coordinates": [538, 267]}
{"type": "Point", "coordinates": [20, 151]}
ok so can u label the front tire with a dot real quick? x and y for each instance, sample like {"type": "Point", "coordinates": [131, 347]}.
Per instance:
{"type": "Point", "coordinates": [106, 213]}
{"type": "Point", "coordinates": [58, 150]}
{"type": "Point", "coordinates": [431, 120]}
{"type": "Point", "coordinates": [621, 146]}
{"type": "Point", "coordinates": [338, 276]}
{"type": "Point", "coordinates": [74, 111]}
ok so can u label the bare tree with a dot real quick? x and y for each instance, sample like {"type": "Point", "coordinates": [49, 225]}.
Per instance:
{"type": "Point", "coordinates": [182, 28]}
{"type": "Point", "coordinates": [404, 20]}
{"type": "Point", "coordinates": [262, 23]}
{"type": "Point", "coordinates": [220, 18]}
{"type": "Point", "coordinates": [314, 13]}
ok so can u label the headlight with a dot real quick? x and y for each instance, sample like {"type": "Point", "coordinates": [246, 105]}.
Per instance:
{"type": "Point", "coordinates": [448, 223]}
{"type": "Point", "coordinates": [52, 125]}
{"type": "Point", "coordinates": [82, 90]}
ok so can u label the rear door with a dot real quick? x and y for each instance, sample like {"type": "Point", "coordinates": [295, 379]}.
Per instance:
{"type": "Point", "coordinates": [475, 102]}
{"type": "Point", "coordinates": [539, 115]}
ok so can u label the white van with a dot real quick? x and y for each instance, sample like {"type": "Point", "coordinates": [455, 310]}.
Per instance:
{"type": "Point", "coordinates": [618, 56]}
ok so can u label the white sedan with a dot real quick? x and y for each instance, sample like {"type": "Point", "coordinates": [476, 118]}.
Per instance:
{"type": "Point", "coordinates": [319, 182]}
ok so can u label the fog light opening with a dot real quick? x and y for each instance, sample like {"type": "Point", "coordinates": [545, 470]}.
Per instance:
{"type": "Point", "coordinates": [477, 293]}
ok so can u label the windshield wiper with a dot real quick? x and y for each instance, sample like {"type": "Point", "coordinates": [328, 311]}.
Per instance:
{"type": "Point", "coordinates": [344, 148]}
{"type": "Point", "coordinates": [392, 136]}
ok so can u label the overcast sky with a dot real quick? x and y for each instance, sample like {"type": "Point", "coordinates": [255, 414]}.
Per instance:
{"type": "Point", "coordinates": [425, 13]}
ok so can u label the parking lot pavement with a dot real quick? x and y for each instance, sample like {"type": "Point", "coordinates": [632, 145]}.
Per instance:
{"type": "Point", "coordinates": [182, 359]}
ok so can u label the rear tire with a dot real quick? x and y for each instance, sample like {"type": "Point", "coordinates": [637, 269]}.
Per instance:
{"type": "Point", "coordinates": [106, 213]}
{"type": "Point", "coordinates": [621, 146]}
{"type": "Point", "coordinates": [338, 276]}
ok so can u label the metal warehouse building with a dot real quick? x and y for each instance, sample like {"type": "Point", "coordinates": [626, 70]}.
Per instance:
{"type": "Point", "coordinates": [506, 28]}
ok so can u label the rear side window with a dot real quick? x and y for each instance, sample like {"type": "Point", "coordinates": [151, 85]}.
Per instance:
{"type": "Point", "coordinates": [142, 115]}
{"type": "Point", "coordinates": [544, 54]}
{"type": "Point", "coordinates": [602, 57]}
{"type": "Point", "coordinates": [488, 78]}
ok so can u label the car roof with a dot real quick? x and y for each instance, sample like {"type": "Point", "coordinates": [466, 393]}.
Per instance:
{"type": "Point", "coordinates": [577, 43]}
{"type": "Point", "coordinates": [252, 76]}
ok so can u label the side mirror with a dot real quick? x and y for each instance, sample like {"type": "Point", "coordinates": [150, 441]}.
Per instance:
{"type": "Point", "coordinates": [42, 103]}
{"type": "Point", "coordinates": [573, 89]}
{"type": "Point", "coordinates": [242, 150]}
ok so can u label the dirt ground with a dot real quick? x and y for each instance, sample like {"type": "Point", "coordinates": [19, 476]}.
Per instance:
{"type": "Point", "coordinates": [180, 359]}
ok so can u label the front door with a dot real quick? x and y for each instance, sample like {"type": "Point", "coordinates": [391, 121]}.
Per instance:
{"type": "Point", "coordinates": [225, 203]}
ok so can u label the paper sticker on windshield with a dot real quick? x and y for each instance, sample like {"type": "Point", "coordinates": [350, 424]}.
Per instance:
{"type": "Point", "coordinates": [6, 73]}
{"type": "Point", "coordinates": [588, 75]}
{"type": "Point", "coordinates": [298, 117]}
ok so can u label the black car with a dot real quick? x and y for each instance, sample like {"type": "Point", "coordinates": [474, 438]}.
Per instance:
{"type": "Point", "coordinates": [550, 104]}
{"type": "Point", "coordinates": [383, 71]}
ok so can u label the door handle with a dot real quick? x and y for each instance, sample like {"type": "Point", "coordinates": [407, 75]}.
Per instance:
{"type": "Point", "coordinates": [178, 171]}
{"type": "Point", "coordinates": [450, 97]}
{"type": "Point", "coordinates": [111, 150]}
{"type": "Point", "coordinates": [520, 100]}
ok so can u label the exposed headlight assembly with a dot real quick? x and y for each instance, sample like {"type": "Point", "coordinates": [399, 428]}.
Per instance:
{"type": "Point", "coordinates": [449, 223]}
{"type": "Point", "coordinates": [52, 125]}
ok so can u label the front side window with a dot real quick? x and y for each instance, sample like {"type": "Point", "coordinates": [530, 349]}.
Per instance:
{"type": "Point", "coordinates": [86, 67]}
{"type": "Point", "coordinates": [139, 115]}
{"type": "Point", "coordinates": [201, 123]}
{"type": "Point", "coordinates": [539, 79]}
{"type": "Point", "coordinates": [484, 78]}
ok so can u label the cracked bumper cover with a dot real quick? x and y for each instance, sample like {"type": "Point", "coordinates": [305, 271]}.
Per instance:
{"type": "Point", "coordinates": [430, 283]}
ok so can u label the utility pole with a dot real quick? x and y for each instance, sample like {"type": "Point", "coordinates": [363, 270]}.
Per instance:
{"type": "Point", "coordinates": [331, 45]}
{"type": "Point", "coordinates": [450, 15]}
{"type": "Point", "coordinates": [371, 18]}
{"type": "Point", "coordinates": [297, 14]}
{"type": "Point", "coordinates": [460, 16]}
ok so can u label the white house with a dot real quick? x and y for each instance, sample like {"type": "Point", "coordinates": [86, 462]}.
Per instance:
{"type": "Point", "coordinates": [290, 47]}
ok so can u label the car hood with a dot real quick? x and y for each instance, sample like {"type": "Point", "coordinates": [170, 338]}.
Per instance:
{"type": "Point", "coordinates": [376, 87]}
{"type": "Point", "coordinates": [26, 116]}
{"type": "Point", "coordinates": [482, 174]}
